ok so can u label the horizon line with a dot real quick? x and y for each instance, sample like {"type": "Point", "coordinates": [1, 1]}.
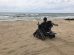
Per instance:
{"type": "Point", "coordinates": [35, 12]}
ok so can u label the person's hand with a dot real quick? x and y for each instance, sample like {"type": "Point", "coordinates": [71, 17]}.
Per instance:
{"type": "Point", "coordinates": [38, 23]}
{"type": "Point", "coordinates": [56, 24]}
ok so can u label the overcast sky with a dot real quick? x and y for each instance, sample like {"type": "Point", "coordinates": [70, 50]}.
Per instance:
{"type": "Point", "coordinates": [40, 6]}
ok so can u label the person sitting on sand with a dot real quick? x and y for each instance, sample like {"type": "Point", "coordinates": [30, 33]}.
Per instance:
{"type": "Point", "coordinates": [46, 26]}
{"type": "Point", "coordinates": [41, 26]}
{"type": "Point", "coordinates": [50, 25]}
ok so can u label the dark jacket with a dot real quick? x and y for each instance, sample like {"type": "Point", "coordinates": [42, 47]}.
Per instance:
{"type": "Point", "coordinates": [46, 26]}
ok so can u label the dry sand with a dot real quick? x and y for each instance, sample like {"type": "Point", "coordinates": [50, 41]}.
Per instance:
{"type": "Point", "coordinates": [16, 39]}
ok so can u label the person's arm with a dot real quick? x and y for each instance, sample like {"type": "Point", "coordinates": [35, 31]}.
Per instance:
{"type": "Point", "coordinates": [55, 24]}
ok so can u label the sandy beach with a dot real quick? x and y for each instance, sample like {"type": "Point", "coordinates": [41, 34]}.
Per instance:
{"type": "Point", "coordinates": [16, 39]}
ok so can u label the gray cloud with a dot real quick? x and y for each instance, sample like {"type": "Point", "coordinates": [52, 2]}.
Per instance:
{"type": "Point", "coordinates": [37, 5]}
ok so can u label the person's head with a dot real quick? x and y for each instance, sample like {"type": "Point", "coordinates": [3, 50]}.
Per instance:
{"type": "Point", "coordinates": [44, 19]}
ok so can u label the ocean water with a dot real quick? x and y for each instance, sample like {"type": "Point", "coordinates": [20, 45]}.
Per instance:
{"type": "Point", "coordinates": [33, 16]}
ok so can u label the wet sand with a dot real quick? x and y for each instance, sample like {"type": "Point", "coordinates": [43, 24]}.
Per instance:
{"type": "Point", "coordinates": [16, 39]}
